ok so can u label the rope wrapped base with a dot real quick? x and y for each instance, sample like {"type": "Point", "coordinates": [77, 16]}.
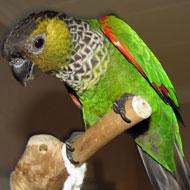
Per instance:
{"type": "Point", "coordinates": [76, 173]}
{"type": "Point", "coordinates": [44, 164]}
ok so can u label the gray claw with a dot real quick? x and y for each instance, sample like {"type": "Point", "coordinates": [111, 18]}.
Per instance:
{"type": "Point", "coordinates": [119, 106]}
{"type": "Point", "coordinates": [69, 148]}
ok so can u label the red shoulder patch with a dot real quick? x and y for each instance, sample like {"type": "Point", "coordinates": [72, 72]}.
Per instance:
{"type": "Point", "coordinates": [123, 48]}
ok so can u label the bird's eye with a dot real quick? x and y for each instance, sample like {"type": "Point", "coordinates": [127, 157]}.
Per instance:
{"type": "Point", "coordinates": [38, 43]}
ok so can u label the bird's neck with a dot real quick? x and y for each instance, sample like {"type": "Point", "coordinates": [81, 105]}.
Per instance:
{"type": "Point", "coordinates": [89, 59]}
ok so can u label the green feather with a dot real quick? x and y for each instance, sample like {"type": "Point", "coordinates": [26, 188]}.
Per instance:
{"type": "Point", "coordinates": [142, 54]}
{"type": "Point", "coordinates": [122, 77]}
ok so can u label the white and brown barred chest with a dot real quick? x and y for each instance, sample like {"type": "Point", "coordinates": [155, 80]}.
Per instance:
{"type": "Point", "coordinates": [90, 56]}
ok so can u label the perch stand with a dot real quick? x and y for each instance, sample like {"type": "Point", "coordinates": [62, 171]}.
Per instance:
{"type": "Point", "coordinates": [42, 166]}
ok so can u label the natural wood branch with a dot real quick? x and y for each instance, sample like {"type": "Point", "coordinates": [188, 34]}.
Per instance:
{"type": "Point", "coordinates": [41, 166]}
{"type": "Point", "coordinates": [110, 126]}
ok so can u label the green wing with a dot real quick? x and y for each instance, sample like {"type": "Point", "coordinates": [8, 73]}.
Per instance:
{"type": "Point", "coordinates": [133, 47]}
{"type": "Point", "coordinates": [138, 54]}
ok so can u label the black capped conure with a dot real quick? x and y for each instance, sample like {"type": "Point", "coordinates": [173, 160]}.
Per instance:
{"type": "Point", "coordinates": [102, 61]}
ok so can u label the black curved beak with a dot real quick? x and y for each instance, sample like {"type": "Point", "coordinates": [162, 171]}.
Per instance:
{"type": "Point", "coordinates": [22, 69]}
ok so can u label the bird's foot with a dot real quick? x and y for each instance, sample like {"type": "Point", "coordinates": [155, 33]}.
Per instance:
{"type": "Point", "coordinates": [69, 148]}
{"type": "Point", "coordinates": [119, 106]}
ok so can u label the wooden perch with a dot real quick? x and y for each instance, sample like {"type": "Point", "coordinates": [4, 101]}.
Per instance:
{"type": "Point", "coordinates": [42, 168]}
{"type": "Point", "coordinates": [109, 127]}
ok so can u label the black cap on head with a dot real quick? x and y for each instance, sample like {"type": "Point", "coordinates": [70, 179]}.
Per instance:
{"type": "Point", "coordinates": [20, 32]}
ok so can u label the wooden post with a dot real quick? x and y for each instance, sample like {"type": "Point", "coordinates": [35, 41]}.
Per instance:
{"type": "Point", "coordinates": [41, 166]}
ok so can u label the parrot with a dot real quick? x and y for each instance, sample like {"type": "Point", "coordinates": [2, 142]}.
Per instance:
{"type": "Point", "coordinates": [102, 63]}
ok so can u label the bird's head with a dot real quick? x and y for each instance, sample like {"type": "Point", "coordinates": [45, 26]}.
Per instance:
{"type": "Point", "coordinates": [40, 41]}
